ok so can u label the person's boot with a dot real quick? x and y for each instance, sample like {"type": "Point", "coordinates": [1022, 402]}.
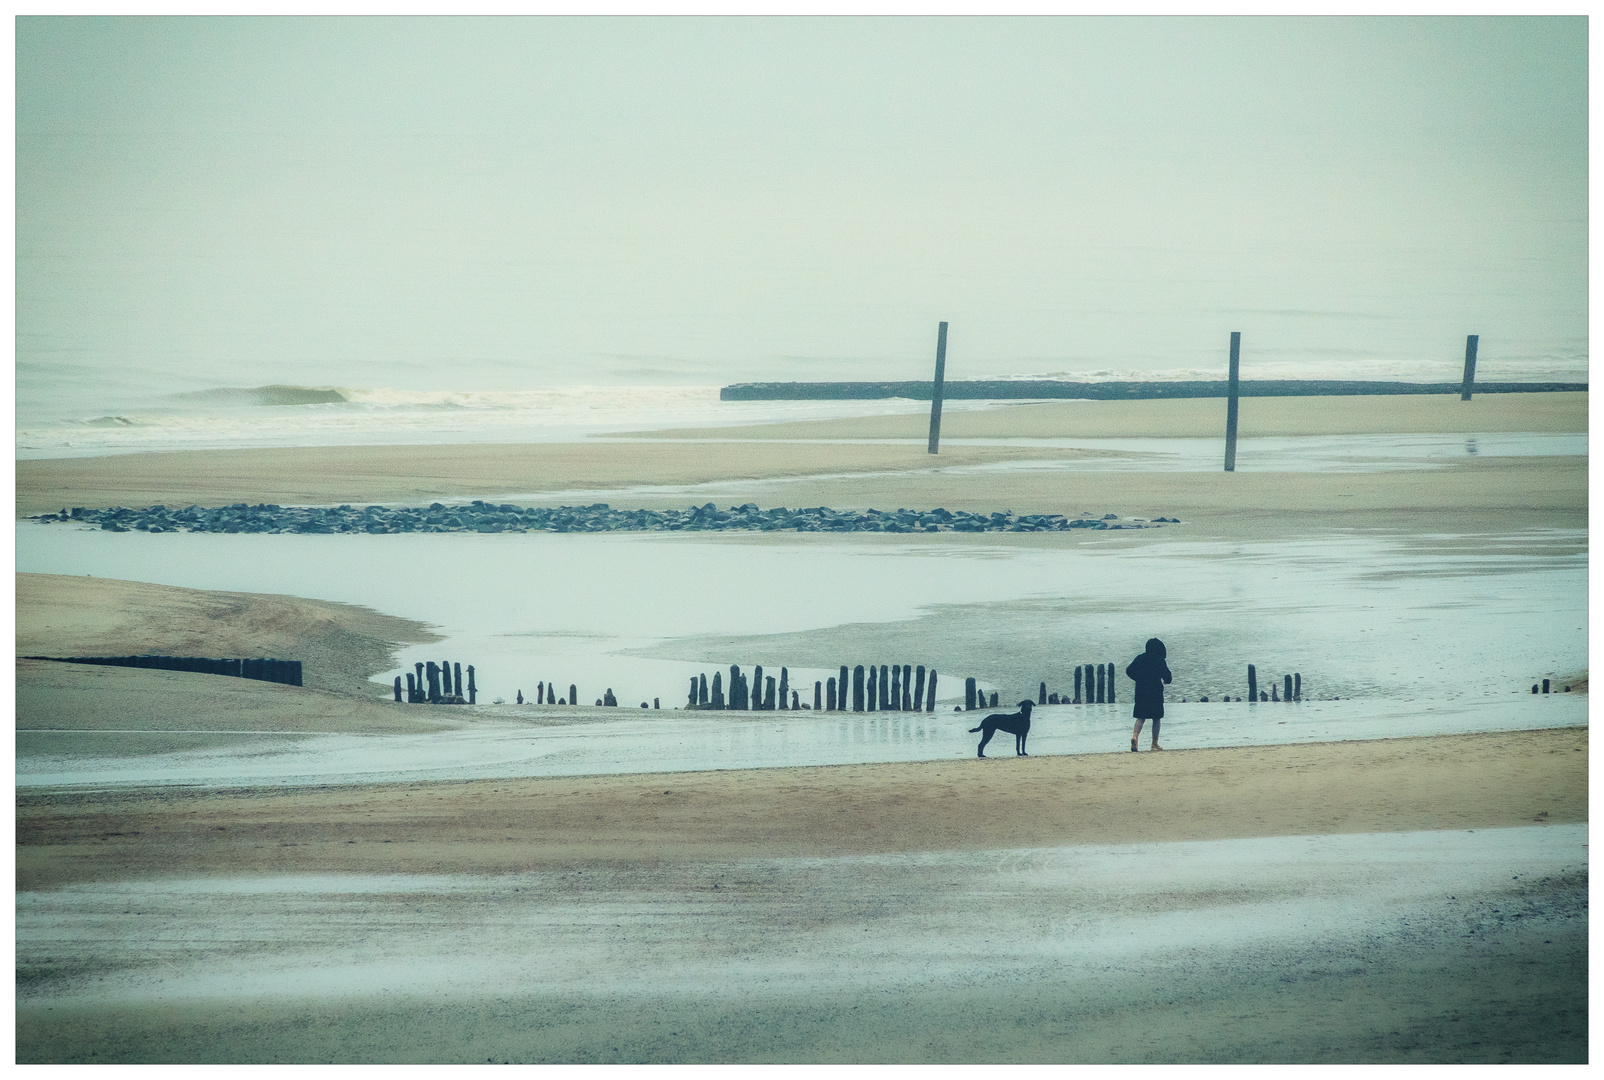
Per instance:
{"type": "Point", "coordinates": [1133, 746]}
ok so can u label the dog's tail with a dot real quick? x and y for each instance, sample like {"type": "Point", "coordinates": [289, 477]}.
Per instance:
{"type": "Point", "coordinates": [975, 729]}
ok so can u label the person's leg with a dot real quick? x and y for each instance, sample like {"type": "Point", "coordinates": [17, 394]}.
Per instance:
{"type": "Point", "coordinates": [1156, 746]}
{"type": "Point", "coordinates": [1136, 733]}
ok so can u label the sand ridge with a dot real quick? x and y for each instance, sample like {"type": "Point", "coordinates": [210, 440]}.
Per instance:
{"type": "Point", "coordinates": [501, 826]}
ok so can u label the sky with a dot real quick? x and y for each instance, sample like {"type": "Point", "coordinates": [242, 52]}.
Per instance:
{"type": "Point", "coordinates": [532, 201]}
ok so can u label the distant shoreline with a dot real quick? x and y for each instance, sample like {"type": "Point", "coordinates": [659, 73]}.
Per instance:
{"type": "Point", "coordinates": [1014, 389]}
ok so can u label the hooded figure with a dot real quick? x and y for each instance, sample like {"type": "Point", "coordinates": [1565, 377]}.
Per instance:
{"type": "Point", "coordinates": [1149, 672]}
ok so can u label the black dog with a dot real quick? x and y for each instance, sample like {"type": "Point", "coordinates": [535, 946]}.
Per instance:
{"type": "Point", "coordinates": [1016, 724]}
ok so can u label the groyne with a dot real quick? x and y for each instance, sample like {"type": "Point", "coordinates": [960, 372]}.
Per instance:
{"type": "Point", "coordinates": [1034, 389]}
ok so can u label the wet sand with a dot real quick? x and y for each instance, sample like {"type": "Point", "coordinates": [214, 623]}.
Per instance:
{"type": "Point", "coordinates": [1153, 907]}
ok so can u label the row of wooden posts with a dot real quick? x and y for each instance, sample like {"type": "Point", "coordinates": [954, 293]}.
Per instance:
{"type": "Point", "coordinates": [1467, 384]}
{"type": "Point", "coordinates": [437, 684]}
{"type": "Point", "coordinates": [889, 688]}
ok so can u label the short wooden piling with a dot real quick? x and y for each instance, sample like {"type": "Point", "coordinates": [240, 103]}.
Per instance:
{"type": "Point", "coordinates": [1545, 686]}
{"type": "Point", "coordinates": [841, 688]}
{"type": "Point", "coordinates": [885, 687]}
{"type": "Point", "coordinates": [1041, 695]}
{"type": "Point", "coordinates": [907, 687]}
{"type": "Point", "coordinates": [690, 700]}
{"type": "Point", "coordinates": [432, 670]}
{"type": "Point", "coordinates": [1102, 688]}
{"type": "Point", "coordinates": [930, 691]}
{"type": "Point", "coordinates": [1470, 367]}
{"type": "Point", "coordinates": [473, 690]}
{"type": "Point", "coordinates": [830, 694]}
{"type": "Point", "coordinates": [1113, 682]}
{"type": "Point", "coordinates": [1286, 690]}
{"type": "Point", "coordinates": [857, 688]}
{"type": "Point", "coordinates": [1297, 686]}
{"type": "Point", "coordinates": [785, 687]}
{"type": "Point", "coordinates": [895, 700]}
{"type": "Point", "coordinates": [969, 694]}
{"type": "Point", "coordinates": [768, 693]}
{"type": "Point", "coordinates": [994, 699]}
{"type": "Point", "coordinates": [1077, 685]}
{"type": "Point", "coordinates": [873, 693]}
{"type": "Point", "coordinates": [456, 675]}
{"type": "Point", "coordinates": [701, 689]}
{"type": "Point", "coordinates": [818, 695]}
{"type": "Point", "coordinates": [398, 688]}
{"type": "Point", "coordinates": [1231, 387]}
{"type": "Point", "coordinates": [1253, 683]}
{"type": "Point", "coordinates": [573, 694]}
{"type": "Point", "coordinates": [919, 688]}
{"type": "Point", "coordinates": [936, 388]}
{"type": "Point", "coordinates": [757, 681]}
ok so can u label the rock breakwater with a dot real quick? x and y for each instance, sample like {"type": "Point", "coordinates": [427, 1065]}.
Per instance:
{"type": "Point", "coordinates": [484, 517]}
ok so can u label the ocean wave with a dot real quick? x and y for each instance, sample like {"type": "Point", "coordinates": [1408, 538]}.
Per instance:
{"type": "Point", "coordinates": [260, 395]}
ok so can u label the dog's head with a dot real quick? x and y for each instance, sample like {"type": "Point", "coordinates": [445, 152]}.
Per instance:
{"type": "Point", "coordinates": [1025, 707]}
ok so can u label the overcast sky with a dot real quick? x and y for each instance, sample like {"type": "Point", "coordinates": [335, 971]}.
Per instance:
{"type": "Point", "coordinates": [304, 192]}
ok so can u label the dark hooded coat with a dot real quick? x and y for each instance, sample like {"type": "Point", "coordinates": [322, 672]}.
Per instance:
{"type": "Point", "coordinates": [1150, 673]}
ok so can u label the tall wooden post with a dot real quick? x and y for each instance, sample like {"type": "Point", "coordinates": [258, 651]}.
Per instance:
{"type": "Point", "coordinates": [936, 388]}
{"type": "Point", "coordinates": [841, 689]}
{"type": "Point", "coordinates": [1470, 366]}
{"type": "Point", "coordinates": [1253, 683]}
{"type": "Point", "coordinates": [1113, 698]}
{"type": "Point", "coordinates": [1077, 685]}
{"type": "Point", "coordinates": [1230, 401]}
{"type": "Point", "coordinates": [473, 691]}
{"type": "Point", "coordinates": [398, 688]}
{"type": "Point", "coordinates": [1297, 686]}
{"type": "Point", "coordinates": [785, 687]}
{"type": "Point", "coordinates": [906, 704]}
{"type": "Point", "coordinates": [930, 690]}
{"type": "Point", "coordinates": [757, 677]}
{"type": "Point", "coordinates": [1286, 693]}
{"type": "Point", "coordinates": [830, 700]}
{"type": "Point", "coordinates": [919, 689]}
{"type": "Point", "coordinates": [885, 687]}
{"type": "Point", "coordinates": [573, 694]}
{"type": "Point", "coordinates": [969, 694]}
{"type": "Point", "coordinates": [1041, 697]}
{"type": "Point", "coordinates": [874, 688]}
{"type": "Point", "coordinates": [818, 695]}
{"type": "Point", "coordinates": [456, 675]}
{"type": "Point", "coordinates": [896, 686]}
{"type": "Point", "coordinates": [857, 688]}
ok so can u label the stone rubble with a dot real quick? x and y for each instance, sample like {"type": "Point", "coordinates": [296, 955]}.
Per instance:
{"type": "Point", "coordinates": [480, 516]}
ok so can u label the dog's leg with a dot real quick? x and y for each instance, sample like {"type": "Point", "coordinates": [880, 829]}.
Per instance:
{"type": "Point", "coordinates": [980, 751]}
{"type": "Point", "coordinates": [1019, 744]}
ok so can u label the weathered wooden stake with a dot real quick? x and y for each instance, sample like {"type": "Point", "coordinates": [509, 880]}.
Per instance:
{"type": "Point", "coordinates": [830, 694]}
{"type": "Point", "coordinates": [457, 676]}
{"type": "Point", "coordinates": [874, 688]}
{"type": "Point", "coordinates": [690, 701]}
{"type": "Point", "coordinates": [1230, 401]}
{"type": "Point", "coordinates": [473, 691]}
{"type": "Point", "coordinates": [795, 702]}
{"type": "Point", "coordinates": [1041, 695]}
{"type": "Point", "coordinates": [768, 693]}
{"type": "Point", "coordinates": [1077, 685]}
{"type": "Point", "coordinates": [841, 689]}
{"type": "Point", "coordinates": [1113, 681]}
{"type": "Point", "coordinates": [785, 687]}
{"type": "Point", "coordinates": [994, 699]}
{"type": "Point", "coordinates": [1286, 694]}
{"type": "Point", "coordinates": [969, 694]}
{"type": "Point", "coordinates": [573, 694]}
{"type": "Point", "coordinates": [1102, 688]}
{"type": "Point", "coordinates": [895, 700]}
{"type": "Point", "coordinates": [818, 695]}
{"type": "Point", "coordinates": [936, 388]}
{"type": "Point", "coordinates": [701, 688]}
{"type": "Point", "coordinates": [398, 688]}
{"type": "Point", "coordinates": [1297, 686]}
{"type": "Point", "coordinates": [432, 669]}
{"type": "Point", "coordinates": [885, 688]}
{"type": "Point", "coordinates": [919, 688]}
{"type": "Point", "coordinates": [907, 687]}
{"type": "Point", "coordinates": [1253, 683]}
{"type": "Point", "coordinates": [857, 688]}
{"type": "Point", "coordinates": [757, 680]}
{"type": "Point", "coordinates": [1470, 367]}
{"type": "Point", "coordinates": [931, 692]}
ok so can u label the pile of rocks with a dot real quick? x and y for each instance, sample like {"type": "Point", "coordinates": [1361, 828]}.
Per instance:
{"type": "Point", "coordinates": [480, 516]}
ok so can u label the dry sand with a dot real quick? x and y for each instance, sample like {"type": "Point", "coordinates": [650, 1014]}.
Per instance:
{"type": "Point", "coordinates": [1521, 1001]}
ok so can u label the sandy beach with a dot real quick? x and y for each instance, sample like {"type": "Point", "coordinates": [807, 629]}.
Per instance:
{"type": "Point", "coordinates": [1084, 907]}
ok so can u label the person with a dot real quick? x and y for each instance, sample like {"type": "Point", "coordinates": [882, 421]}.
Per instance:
{"type": "Point", "coordinates": [1149, 672]}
